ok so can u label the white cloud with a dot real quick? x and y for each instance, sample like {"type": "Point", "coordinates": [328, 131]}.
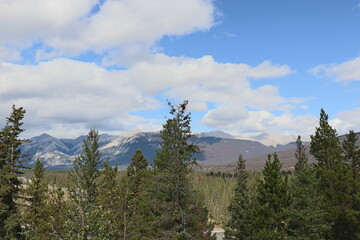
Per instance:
{"type": "Point", "coordinates": [347, 71]}
{"type": "Point", "coordinates": [8, 54]}
{"type": "Point", "coordinates": [69, 28]}
{"type": "Point", "coordinates": [205, 80]}
{"type": "Point", "coordinates": [63, 92]}
{"type": "Point", "coordinates": [347, 120]}
{"type": "Point", "coordinates": [238, 121]}
{"type": "Point", "coordinates": [66, 92]}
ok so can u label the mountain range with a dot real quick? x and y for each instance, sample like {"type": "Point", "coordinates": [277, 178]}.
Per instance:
{"type": "Point", "coordinates": [218, 150]}
{"type": "Point", "coordinates": [215, 148]}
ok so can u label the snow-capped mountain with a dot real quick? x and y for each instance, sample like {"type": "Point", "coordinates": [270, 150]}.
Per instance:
{"type": "Point", "coordinates": [275, 138]}
{"type": "Point", "coordinates": [118, 150]}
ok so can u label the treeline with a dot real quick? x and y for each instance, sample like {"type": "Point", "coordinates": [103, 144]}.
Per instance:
{"type": "Point", "coordinates": [235, 174]}
{"type": "Point", "coordinates": [148, 202]}
{"type": "Point", "coordinates": [321, 200]}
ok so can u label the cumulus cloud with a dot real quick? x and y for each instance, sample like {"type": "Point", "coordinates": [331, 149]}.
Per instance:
{"type": "Point", "coordinates": [205, 80]}
{"type": "Point", "coordinates": [67, 92]}
{"type": "Point", "coordinates": [71, 27]}
{"type": "Point", "coordinates": [70, 92]}
{"type": "Point", "coordinates": [347, 71]}
{"type": "Point", "coordinates": [238, 121]}
{"type": "Point", "coordinates": [347, 120]}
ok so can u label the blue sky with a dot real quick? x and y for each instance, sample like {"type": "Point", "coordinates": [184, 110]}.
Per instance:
{"type": "Point", "coordinates": [247, 66]}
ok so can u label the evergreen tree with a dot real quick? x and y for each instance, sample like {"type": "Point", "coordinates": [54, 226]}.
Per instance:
{"type": "Point", "coordinates": [300, 156]}
{"type": "Point", "coordinates": [37, 214]}
{"type": "Point", "coordinates": [306, 220]}
{"type": "Point", "coordinates": [240, 223]}
{"type": "Point", "coordinates": [84, 189]}
{"type": "Point", "coordinates": [273, 201]}
{"type": "Point", "coordinates": [352, 152]}
{"type": "Point", "coordinates": [11, 166]}
{"type": "Point", "coordinates": [110, 199]}
{"type": "Point", "coordinates": [136, 209]}
{"type": "Point", "coordinates": [180, 210]}
{"type": "Point", "coordinates": [337, 184]}
{"type": "Point", "coordinates": [325, 145]}
{"type": "Point", "coordinates": [58, 214]}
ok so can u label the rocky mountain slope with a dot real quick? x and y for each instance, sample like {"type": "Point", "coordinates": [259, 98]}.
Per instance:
{"type": "Point", "coordinates": [60, 153]}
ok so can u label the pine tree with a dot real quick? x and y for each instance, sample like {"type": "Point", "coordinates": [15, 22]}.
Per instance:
{"type": "Point", "coordinates": [306, 220]}
{"type": "Point", "coordinates": [352, 152]}
{"type": "Point", "coordinates": [37, 213]}
{"type": "Point", "coordinates": [84, 189]}
{"type": "Point", "coordinates": [325, 145]}
{"type": "Point", "coordinates": [336, 182]}
{"type": "Point", "coordinates": [58, 214]}
{"type": "Point", "coordinates": [240, 223]}
{"type": "Point", "coordinates": [300, 156]}
{"type": "Point", "coordinates": [11, 166]}
{"type": "Point", "coordinates": [110, 199]}
{"type": "Point", "coordinates": [273, 201]}
{"type": "Point", "coordinates": [136, 213]}
{"type": "Point", "coordinates": [179, 217]}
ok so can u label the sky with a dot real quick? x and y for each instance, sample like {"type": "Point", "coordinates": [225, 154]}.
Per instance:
{"type": "Point", "coordinates": [246, 66]}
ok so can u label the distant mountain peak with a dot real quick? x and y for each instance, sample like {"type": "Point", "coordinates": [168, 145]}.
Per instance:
{"type": "Point", "coordinates": [219, 134]}
{"type": "Point", "coordinates": [275, 138]}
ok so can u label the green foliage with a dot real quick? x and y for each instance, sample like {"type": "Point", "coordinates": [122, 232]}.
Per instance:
{"type": "Point", "coordinates": [181, 213]}
{"type": "Point", "coordinates": [84, 190]}
{"type": "Point", "coordinates": [306, 220]}
{"type": "Point", "coordinates": [137, 209]}
{"type": "Point", "coordinates": [11, 165]}
{"type": "Point", "coordinates": [110, 200]}
{"type": "Point", "coordinates": [37, 213]}
{"type": "Point", "coordinates": [240, 224]}
{"type": "Point", "coordinates": [272, 201]}
{"type": "Point", "coordinates": [300, 155]}
{"type": "Point", "coordinates": [352, 153]}
{"type": "Point", "coordinates": [58, 213]}
{"type": "Point", "coordinates": [337, 184]}
{"type": "Point", "coordinates": [325, 145]}
{"type": "Point", "coordinates": [177, 150]}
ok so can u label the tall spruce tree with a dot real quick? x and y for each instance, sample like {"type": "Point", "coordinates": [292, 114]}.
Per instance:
{"type": "Point", "coordinates": [59, 213]}
{"type": "Point", "coordinates": [306, 219]}
{"type": "Point", "coordinates": [300, 156]}
{"type": "Point", "coordinates": [336, 182]}
{"type": "Point", "coordinates": [180, 217]}
{"type": "Point", "coordinates": [325, 145]}
{"type": "Point", "coordinates": [83, 190]}
{"type": "Point", "coordinates": [11, 166]}
{"type": "Point", "coordinates": [273, 201]}
{"type": "Point", "coordinates": [240, 223]}
{"type": "Point", "coordinates": [37, 212]}
{"type": "Point", "coordinates": [352, 152]}
{"type": "Point", "coordinates": [137, 209]}
{"type": "Point", "coordinates": [110, 199]}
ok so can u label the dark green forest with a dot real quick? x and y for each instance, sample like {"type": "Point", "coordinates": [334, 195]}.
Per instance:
{"type": "Point", "coordinates": [170, 200]}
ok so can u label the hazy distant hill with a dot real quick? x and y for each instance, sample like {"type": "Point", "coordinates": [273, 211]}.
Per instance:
{"type": "Point", "coordinates": [286, 156]}
{"type": "Point", "coordinates": [60, 153]}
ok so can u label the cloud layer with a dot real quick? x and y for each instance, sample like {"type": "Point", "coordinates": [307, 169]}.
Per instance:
{"type": "Point", "coordinates": [74, 93]}
{"type": "Point", "coordinates": [70, 28]}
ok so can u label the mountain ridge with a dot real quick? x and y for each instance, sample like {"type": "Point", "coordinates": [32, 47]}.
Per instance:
{"type": "Point", "coordinates": [118, 150]}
